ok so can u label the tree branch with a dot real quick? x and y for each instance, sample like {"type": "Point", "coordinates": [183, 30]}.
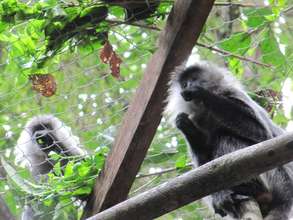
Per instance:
{"type": "Point", "coordinates": [168, 170]}
{"type": "Point", "coordinates": [233, 55]}
{"type": "Point", "coordinates": [222, 173]}
{"type": "Point", "coordinates": [244, 5]}
{"type": "Point", "coordinates": [117, 22]}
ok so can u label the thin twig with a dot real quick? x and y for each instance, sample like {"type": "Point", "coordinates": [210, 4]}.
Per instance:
{"type": "Point", "coordinates": [234, 55]}
{"type": "Point", "coordinates": [288, 9]}
{"type": "Point", "coordinates": [239, 5]}
{"type": "Point", "coordinates": [117, 22]}
{"type": "Point", "coordinates": [168, 170]}
{"type": "Point", "coordinates": [143, 2]}
{"type": "Point", "coordinates": [144, 185]}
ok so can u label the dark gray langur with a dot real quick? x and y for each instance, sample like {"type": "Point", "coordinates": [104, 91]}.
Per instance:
{"type": "Point", "coordinates": [216, 116]}
{"type": "Point", "coordinates": [42, 135]}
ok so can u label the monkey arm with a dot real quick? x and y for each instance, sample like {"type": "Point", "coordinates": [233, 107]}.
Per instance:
{"type": "Point", "coordinates": [195, 137]}
{"type": "Point", "coordinates": [233, 114]}
{"type": "Point", "coordinates": [41, 135]}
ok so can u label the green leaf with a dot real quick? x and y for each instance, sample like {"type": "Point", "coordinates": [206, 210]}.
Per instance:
{"type": "Point", "coordinates": [257, 17]}
{"type": "Point", "coordinates": [99, 160]}
{"type": "Point", "coordinates": [280, 118]}
{"type": "Point", "coordinates": [117, 12]}
{"type": "Point", "coordinates": [278, 3]}
{"type": "Point", "coordinates": [57, 169]}
{"type": "Point", "coordinates": [83, 170]}
{"type": "Point", "coordinates": [68, 171]}
{"type": "Point", "coordinates": [238, 43]}
{"type": "Point", "coordinates": [3, 26]}
{"type": "Point", "coordinates": [23, 184]}
{"type": "Point", "coordinates": [72, 12]}
{"type": "Point", "coordinates": [82, 191]}
{"type": "Point", "coordinates": [181, 161]}
{"type": "Point", "coordinates": [236, 66]}
{"type": "Point", "coordinates": [271, 53]}
{"type": "Point", "coordinates": [53, 155]}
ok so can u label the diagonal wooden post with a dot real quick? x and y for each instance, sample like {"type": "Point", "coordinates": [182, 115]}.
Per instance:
{"type": "Point", "coordinates": [176, 41]}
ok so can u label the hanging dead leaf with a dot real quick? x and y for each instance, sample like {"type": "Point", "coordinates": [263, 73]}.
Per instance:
{"type": "Point", "coordinates": [44, 84]}
{"type": "Point", "coordinates": [108, 55]}
{"type": "Point", "coordinates": [115, 62]}
{"type": "Point", "coordinates": [106, 52]}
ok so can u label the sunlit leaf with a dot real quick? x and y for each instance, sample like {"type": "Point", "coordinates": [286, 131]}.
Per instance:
{"type": "Point", "coordinates": [238, 43]}
{"type": "Point", "coordinates": [257, 16]}
{"type": "Point", "coordinates": [270, 49]}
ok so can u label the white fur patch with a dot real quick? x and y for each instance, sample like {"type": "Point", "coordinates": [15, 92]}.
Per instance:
{"type": "Point", "coordinates": [27, 150]}
{"type": "Point", "coordinates": [214, 77]}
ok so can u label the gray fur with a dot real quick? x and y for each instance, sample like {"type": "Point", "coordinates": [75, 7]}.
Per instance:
{"type": "Point", "coordinates": [29, 152]}
{"type": "Point", "coordinates": [218, 80]}
{"type": "Point", "coordinates": [222, 84]}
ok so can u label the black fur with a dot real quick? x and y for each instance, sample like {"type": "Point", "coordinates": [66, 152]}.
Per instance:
{"type": "Point", "coordinates": [217, 118]}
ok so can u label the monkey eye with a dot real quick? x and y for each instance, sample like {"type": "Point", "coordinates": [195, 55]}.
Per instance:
{"type": "Point", "coordinates": [40, 141]}
{"type": "Point", "coordinates": [184, 84]}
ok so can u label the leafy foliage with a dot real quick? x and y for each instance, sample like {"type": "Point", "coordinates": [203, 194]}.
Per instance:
{"type": "Point", "coordinates": [67, 40]}
{"type": "Point", "coordinates": [59, 25]}
{"type": "Point", "coordinates": [75, 180]}
{"type": "Point", "coordinates": [40, 39]}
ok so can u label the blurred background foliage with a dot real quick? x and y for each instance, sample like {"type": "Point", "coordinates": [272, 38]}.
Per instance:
{"type": "Point", "coordinates": [64, 38]}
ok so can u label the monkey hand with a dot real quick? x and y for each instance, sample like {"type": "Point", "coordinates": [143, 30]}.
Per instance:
{"type": "Point", "coordinates": [193, 93]}
{"type": "Point", "coordinates": [182, 121]}
{"type": "Point", "coordinates": [228, 203]}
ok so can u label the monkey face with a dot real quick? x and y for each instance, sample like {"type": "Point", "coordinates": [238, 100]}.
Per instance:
{"type": "Point", "coordinates": [203, 75]}
{"type": "Point", "coordinates": [190, 78]}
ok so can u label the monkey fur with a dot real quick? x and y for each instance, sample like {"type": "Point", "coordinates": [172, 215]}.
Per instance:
{"type": "Point", "coordinates": [216, 116]}
{"type": "Point", "coordinates": [41, 135]}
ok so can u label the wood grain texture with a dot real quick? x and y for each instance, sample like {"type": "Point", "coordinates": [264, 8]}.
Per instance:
{"type": "Point", "coordinates": [176, 41]}
{"type": "Point", "coordinates": [221, 173]}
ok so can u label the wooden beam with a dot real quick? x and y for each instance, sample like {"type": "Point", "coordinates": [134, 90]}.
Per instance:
{"type": "Point", "coordinates": [176, 41]}
{"type": "Point", "coordinates": [222, 173]}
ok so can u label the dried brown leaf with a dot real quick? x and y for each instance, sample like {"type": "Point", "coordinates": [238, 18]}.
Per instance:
{"type": "Point", "coordinates": [106, 52]}
{"type": "Point", "coordinates": [115, 63]}
{"type": "Point", "coordinates": [44, 84]}
{"type": "Point", "coordinates": [108, 55]}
